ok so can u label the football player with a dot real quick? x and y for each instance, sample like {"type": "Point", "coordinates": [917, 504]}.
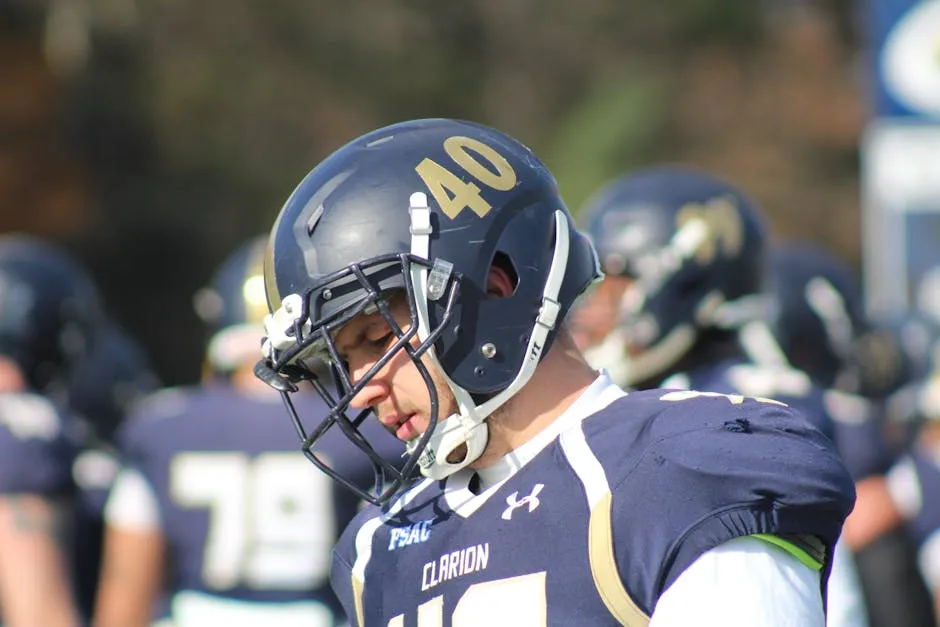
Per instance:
{"type": "Point", "coordinates": [820, 324]}
{"type": "Point", "coordinates": [817, 321]}
{"type": "Point", "coordinates": [914, 480]}
{"type": "Point", "coordinates": [48, 308]}
{"type": "Point", "coordinates": [115, 374]}
{"type": "Point", "coordinates": [683, 305]}
{"type": "Point", "coordinates": [898, 358]}
{"type": "Point", "coordinates": [215, 514]}
{"type": "Point", "coordinates": [433, 264]}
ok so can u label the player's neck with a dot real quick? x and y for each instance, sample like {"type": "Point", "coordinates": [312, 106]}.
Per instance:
{"type": "Point", "coordinates": [559, 380]}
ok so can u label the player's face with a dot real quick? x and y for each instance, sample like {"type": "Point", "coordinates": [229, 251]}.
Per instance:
{"type": "Point", "coordinates": [597, 315]}
{"type": "Point", "coordinates": [397, 392]}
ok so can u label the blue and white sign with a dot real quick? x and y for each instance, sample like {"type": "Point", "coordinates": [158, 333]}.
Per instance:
{"type": "Point", "coordinates": [904, 45]}
{"type": "Point", "coordinates": [901, 154]}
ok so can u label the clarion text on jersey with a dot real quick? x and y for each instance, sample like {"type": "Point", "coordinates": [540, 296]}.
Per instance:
{"type": "Point", "coordinates": [455, 564]}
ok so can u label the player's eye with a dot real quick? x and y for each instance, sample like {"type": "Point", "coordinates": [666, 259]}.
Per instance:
{"type": "Point", "coordinates": [381, 343]}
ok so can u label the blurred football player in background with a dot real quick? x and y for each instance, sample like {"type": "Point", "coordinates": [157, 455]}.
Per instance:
{"type": "Point", "coordinates": [433, 263]}
{"type": "Point", "coordinates": [817, 312]}
{"type": "Point", "coordinates": [49, 307]}
{"type": "Point", "coordinates": [216, 511]}
{"type": "Point", "coordinates": [819, 322]}
{"type": "Point", "coordinates": [683, 305]}
{"type": "Point", "coordinates": [102, 389]}
{"type": "Point", "coordinates": [907, 350]}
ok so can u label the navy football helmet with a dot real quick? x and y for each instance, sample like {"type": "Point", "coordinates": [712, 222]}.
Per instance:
{"type": "Point", "coordinates": [423, 208]}
{"type": "Point", "coordinates": [896, 351]}
{"type": "Point", "coordinates": [114, 375]}
{"type": "Point", "coordinates": [817, 312]}
{"type": "Point", "coordinates": [49, 308]}
{"type": "Point", "coordinates": [692, 247]}
{"type": "Point", "coordinates": [233, 308]}
{"type": "Point", "coordinates": [899, 365]}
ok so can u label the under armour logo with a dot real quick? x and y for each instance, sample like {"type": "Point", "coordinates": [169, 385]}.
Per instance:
{"type": "Point", "coordinates": [515, 502]}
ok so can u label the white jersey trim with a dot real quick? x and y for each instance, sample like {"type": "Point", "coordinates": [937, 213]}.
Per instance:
{"type": "Point", "coordinates": [368, 529]}
{"type": "Point", "coordinates": [601, 393]}
{"type": "Point", "coordinates": [133, 504]}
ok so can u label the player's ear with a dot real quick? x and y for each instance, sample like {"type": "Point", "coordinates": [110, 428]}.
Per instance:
{"type": "Point", "coordinates": [501, 281]}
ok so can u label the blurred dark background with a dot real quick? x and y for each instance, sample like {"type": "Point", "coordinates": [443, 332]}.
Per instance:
{"type": "Point", "coordinates": [152, 137]}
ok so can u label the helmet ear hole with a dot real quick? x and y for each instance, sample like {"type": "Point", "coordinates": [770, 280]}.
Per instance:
{"type": "Point", "coordinates": [502, 279]}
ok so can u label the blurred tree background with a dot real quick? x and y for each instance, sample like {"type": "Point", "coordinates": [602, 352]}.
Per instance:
{"type": "Point", "coordinates": [152, 137]}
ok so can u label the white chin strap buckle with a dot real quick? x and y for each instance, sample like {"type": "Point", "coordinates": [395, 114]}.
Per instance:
{"type": "Point", "coordinates": [453, 432]}
{"type": "Point", "coordinates": [278, 324]}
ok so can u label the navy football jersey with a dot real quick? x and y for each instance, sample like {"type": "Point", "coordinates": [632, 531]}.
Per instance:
{"type": "Point", "coordinates": [850, 421]}
{"type": "Point", "coordinates": [599, 522]}
{"type": "Point", "coordinates": [37, 447]}
{"type": "Point", "coordinates": [245, 516]}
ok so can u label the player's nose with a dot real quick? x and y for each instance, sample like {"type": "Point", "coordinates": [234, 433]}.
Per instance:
{"type": "Point", "coordinates": [373, 389]}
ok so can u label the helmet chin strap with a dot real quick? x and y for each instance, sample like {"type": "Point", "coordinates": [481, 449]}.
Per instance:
{"type": "Point", "coordinates": [467, 428]}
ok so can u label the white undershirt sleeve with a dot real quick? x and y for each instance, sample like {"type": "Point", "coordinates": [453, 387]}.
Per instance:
{"type": "Point", "coordinates": [742, 583]}
{"type": "Point", "coordinates": [845, 600]}
{"type": "Point", "coordinates": [132, 503]}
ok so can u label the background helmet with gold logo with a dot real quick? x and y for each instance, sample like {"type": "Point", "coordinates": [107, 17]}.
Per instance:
{"type": "Point", "coordinates": [233, 308]}
{"type": "Point", "coordinates": [692, 246]}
